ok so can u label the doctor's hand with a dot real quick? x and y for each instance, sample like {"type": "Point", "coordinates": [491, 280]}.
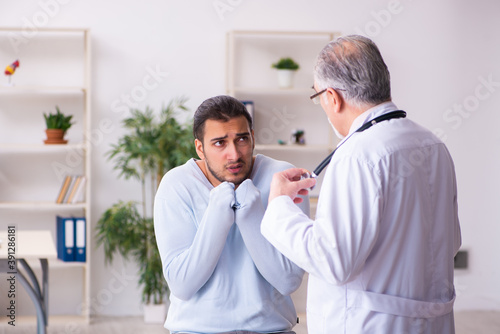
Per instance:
{"type": "Point", "coordinates": [289, 183]}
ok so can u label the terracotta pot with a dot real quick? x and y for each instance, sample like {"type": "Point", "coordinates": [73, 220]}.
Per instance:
{"type": "Point", "coordinates": [55, 136]}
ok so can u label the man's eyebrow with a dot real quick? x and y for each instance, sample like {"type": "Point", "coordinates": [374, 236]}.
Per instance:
{"type": "Point", "coordinates": [243, 134]}
{"type": "Point", "coordinates": [219, 138]}
{"type": "Point", "coordinates": [226, 136]}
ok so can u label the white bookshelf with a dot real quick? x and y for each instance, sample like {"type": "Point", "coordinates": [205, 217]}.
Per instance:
{"type": "Point", "coordinates": [277, 112]}
{"type": "Point", "coordinates": [54, 70]}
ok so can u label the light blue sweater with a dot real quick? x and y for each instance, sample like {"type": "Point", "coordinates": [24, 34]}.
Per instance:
{"type": "Point", "coordinates": [222, 273]}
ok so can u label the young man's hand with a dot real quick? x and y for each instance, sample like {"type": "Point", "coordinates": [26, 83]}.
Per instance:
{"type": "Point", "coordinates": [222, 201]}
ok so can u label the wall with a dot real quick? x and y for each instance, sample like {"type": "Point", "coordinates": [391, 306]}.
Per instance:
{"type": "Point", "coordinates": [444, 61]}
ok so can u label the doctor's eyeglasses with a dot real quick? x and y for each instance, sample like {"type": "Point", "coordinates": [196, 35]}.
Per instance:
{"type": "Point", "coordinates": [315, 96]}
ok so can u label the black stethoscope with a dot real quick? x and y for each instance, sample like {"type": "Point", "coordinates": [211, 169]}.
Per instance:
{"type": "Point", "coordinates": [367, 125]}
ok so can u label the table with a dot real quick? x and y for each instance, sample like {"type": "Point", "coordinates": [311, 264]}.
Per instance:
{"type": "Point", "coordinates": [18, 246]}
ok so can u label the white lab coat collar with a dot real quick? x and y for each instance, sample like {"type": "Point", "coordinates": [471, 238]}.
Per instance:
{"type": "Point", "coordinates": [371, 113]}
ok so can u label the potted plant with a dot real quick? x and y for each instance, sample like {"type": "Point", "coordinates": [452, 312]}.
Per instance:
{"type": "Point", "coordinates": [286, 68]}
{"type": "Point", "coordinates": [57, 125]}
{"type": "Point", "coordinates": [151, 147]}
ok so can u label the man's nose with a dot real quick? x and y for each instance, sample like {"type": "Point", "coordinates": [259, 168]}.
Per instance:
{"type": "Point", "coordinates": [232, 152]}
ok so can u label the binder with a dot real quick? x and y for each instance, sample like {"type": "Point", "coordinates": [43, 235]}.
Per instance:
{"type": "Point", "coordinates": [81, 239]}
{"type": "Point", "coordinates": [65, 238]}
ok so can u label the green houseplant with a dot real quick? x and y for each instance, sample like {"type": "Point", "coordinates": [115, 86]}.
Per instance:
{"type": "Point", "coordinates": [286, 69]}
{"type": "Point", "coordinates": [152, 146]}
{"type": "Point", "coordinates": [57, 125]}
{"type": "Point", "coordinates": [286, 64]}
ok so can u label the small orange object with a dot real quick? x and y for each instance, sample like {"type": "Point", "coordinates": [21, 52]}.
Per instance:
{"type": "Point", "coordinates": [10, 69]}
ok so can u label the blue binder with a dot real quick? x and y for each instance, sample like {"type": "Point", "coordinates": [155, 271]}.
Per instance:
{"type": "Point", "coordinates": [65, 239]}
{"type": "Point", "coordinates": [80, 239]}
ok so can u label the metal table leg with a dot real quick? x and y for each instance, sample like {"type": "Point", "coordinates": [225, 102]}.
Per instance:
{"type": "Point", "coordinates": [39, 297]}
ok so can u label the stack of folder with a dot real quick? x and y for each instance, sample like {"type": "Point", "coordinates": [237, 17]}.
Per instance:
{"type": "Point", "coordinates": [71, 239]}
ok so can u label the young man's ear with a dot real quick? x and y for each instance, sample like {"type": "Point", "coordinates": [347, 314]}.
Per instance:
{"type": "Point", "coordinates": [199, 149]}
{"type": "Point", "coordinates": [253, 139]}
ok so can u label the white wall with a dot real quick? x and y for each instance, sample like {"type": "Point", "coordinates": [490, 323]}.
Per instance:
{"type": "Point", "coordinates": [439, 53]}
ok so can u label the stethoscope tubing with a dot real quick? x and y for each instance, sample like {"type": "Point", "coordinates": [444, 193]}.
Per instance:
{"type": "Point", "coordinates": [385, 117]}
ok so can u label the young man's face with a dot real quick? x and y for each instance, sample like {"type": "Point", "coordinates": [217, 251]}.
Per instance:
{"type": "Point", "coordinates": [227, 150]}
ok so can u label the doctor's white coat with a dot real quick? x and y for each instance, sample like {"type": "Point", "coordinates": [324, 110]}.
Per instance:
{"type": "Point", "coordinates": [380, 251]}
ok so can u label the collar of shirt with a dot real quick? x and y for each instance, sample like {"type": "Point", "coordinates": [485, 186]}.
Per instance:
{"type": "Point", "coordinates": [369, 114]}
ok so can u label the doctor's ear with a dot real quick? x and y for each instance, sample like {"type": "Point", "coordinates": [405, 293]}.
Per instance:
{"type": "Point", "coordinates": [335, 98]}
{"type": "Point", "coordinates": [199, 149]}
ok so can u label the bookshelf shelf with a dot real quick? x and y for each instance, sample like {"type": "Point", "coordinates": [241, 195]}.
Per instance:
{"type": "Point", "coordinates": [41, 147]}
{"type": "Point", "coordinates": [55, 70]}
{"type": "Point", "coordinates": [34, 206]}
{"type": "Point", "coordinates": [41, 90]}
{"type": "Point", "coordinates": [305, 91]}
{"type": "Point", "coordinates": [294, 148]}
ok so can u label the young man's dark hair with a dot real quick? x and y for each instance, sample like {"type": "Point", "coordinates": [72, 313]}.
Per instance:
{"type": "Point", "coordinates": [219, 108]}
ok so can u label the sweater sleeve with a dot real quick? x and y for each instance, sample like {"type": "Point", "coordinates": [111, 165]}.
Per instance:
{"type": "Point", "coordinates": [279, 271]}
{"type": "Point", "coordinates": [190, 251]}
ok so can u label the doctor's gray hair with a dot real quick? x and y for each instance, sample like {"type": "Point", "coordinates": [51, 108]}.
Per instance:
{"type": "Point", "coordinates": [354, 65]}
{"type": "Point", "coordinates": [219, 108]}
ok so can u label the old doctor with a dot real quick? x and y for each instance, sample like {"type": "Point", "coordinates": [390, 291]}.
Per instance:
{"type": "Point", "coordinates": [380, 251]}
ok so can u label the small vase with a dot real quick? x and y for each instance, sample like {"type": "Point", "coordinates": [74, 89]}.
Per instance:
{"type": "Point", "coordinates": [285, 78]}
{"type": "Point", "coordinates": [55, 136]}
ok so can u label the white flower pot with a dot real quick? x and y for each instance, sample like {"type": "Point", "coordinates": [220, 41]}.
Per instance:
{"type": "Point", "coordinates": [155, 313]}
{"type": "Point", "coordinates": [285, 78]}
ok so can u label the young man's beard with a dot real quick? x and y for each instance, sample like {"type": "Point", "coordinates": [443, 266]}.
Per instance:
{"type": "Point", "coordinates": [220, 178]}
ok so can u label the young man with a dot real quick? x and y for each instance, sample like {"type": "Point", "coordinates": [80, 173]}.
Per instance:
{"type": "Point", "coordinates": [223, 275]}
{"type": "Point", "coordinates": [380, 251]}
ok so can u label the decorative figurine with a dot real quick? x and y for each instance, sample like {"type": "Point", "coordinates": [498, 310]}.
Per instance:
{"type": "Point", "coordinates": [298, 137]}
{"type": "Point", "coordinates": [10, 69]}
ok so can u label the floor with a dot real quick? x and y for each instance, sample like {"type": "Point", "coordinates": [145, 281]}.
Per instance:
{"type": "Point", "coordinates": [474, 322]}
